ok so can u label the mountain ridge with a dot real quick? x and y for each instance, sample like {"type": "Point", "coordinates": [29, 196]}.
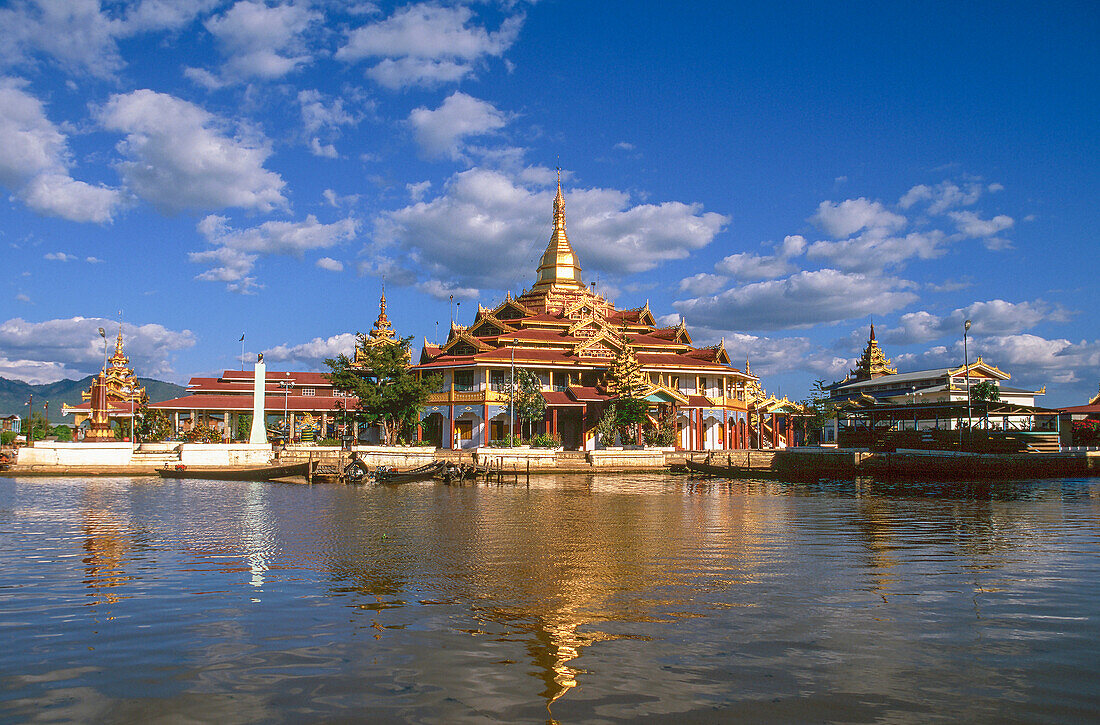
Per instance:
{"type": "Point", "coordinates": [15, 393]}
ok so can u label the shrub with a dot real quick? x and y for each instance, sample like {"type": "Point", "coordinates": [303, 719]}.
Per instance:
{"type": "Point", "coordinates": [546, 440]}
{"type": "Point", "coordinates": [154, 426]}
{"type": "Point", "coordinates": [202, 433]}
{"type": "Point", "coordinates": [663, 436]}
{"type": "Point", "coordinates": [8, 437]}
{"type": "Point", "coordinates": [63, 433]}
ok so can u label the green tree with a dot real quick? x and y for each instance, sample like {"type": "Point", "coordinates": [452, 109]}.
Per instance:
{"type": "Point", "coordinates": [244, 426]}
{"type": "Point", "coordinates": [627, 383]}
{"type": "Point", "coordinates": [153, 425]}
{"type": "Point", "coordinates": [530, 406]}
{"type": "Point", "coordinates": [985, 390]}
{"type": "Point", "coordinates": [63, 433]}
{"type": "Point", "coordinates": [389, 393]}
{"type": "Point", "coordinates": [37, 425]}
{"type": "Point", "coordinates": [819, 406]}
{"type": "Point", "coordinates": [605, 428]}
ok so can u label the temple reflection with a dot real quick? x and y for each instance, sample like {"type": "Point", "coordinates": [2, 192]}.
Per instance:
{"type": "Point", "coordinates": [106, 545]}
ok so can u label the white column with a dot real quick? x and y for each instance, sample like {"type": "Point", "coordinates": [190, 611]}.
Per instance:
{"type": "Point", "coordinates": [258, 435]}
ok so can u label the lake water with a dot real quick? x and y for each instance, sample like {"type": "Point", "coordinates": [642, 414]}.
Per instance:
{"type": "Point", "coordinates": [579, 599]}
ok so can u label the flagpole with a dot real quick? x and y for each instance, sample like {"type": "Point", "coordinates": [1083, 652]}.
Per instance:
{"type": "Point", "coordinates": [242, 351]}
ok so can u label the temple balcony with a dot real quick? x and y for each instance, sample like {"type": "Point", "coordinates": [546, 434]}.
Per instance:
{"type": "Point", "coordinates": [447, 397]}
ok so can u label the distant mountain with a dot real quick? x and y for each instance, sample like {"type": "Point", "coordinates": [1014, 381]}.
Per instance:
{"type": "Point", "coordinates": [14, 395]}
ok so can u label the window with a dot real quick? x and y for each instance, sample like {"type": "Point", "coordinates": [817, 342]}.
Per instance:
{"type": "Point", "coordinates": [464, 380]}
{"type": "Point", "coordinates": [309, 391]}
{"type": "Point", "coordinates": [498, 380]}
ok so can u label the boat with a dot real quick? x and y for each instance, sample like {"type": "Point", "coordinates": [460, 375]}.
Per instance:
{"type": "Point", "coordinates": [710, 469]}
{"type": "Point", "coordinates": [423, 473]}
{"type": "Point", "coordinates": [255, 473]}
{"type": "Point", "coordinates": [458, 472]}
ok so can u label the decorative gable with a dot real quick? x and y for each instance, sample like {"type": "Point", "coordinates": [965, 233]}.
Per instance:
{"type": "Point", "coordinates": [463, 343]}
{"type": "Point", "coordinates": [490, 326]}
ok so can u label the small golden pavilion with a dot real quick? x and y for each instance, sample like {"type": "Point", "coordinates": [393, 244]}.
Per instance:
{"type": "Point", "coordinates": [570, 337]}
{"type": "Point", "coordinates": [125, 394]}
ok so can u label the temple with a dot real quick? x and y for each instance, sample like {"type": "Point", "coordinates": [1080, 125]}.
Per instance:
{"type": "Point", "coordinates": [381, 334]}
{"type": "Point", "coordinates": [578, 344]}
{"type": "Point", "coordinates": [873, 381]}
{"type": "Point", "coordinates": [297, 404]}
{"type": "Point", "coordinates": [124, 394]}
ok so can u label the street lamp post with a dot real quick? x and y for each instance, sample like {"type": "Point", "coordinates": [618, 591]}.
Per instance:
{"type": "Point", "coordinates": [966, 364]}
{"type": "Point", "coordinates": [512, 401]}
{"type": "Point", "coordinates": [103, 334]}
{"type": "Point", "coordinates": [30, 421]}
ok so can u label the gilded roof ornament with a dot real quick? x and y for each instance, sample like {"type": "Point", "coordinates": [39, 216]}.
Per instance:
{"type": "Point", "coordinates": [873, 363]}
{"type": "Point", "coordinates": [558, 266]}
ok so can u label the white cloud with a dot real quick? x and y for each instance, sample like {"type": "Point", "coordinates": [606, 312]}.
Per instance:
{"type": "Point", "coordinates": [52, 349]}
{"type": "Point", "coordinates": [487, 229]}
{"type": "Point", "coordinates": [418, 190]}
{"type": "Point", "coordinates": [236, 250]}
{"type": "Point", "coordinates": [259, 42]}
{"type": "Point", "coordinates": [59, 257]}
{"type": "Point", "coordinates": [62, 196]}
{"type": "Point", "coordinates": [1032, 360]}
{"type": "Point", "coordinates": [973, 226]}
{"type": "Point", "coordinates": [750, 267]}
{"type": "Point", "coordinates": [702, 283]}
{"type": "Point", "coordinates": [875, 249]}
{"type": "Point", "coordinates": [802, 300]}
{"type": "Point", "coordinates": [852, 215]}
{"type": "Point", "coordinates": [35, 161]}
{"type": "Point", "coordinates": [327, 151]}
{"type": "Point", "coordinates": [179, 156]}
{"type": "Point", "coordinates": [81, 35]}
{"type": "Point", "coordinates": [335, 200]}
{"type": "Point", "coordinates": [22, 298]}
{"type": "Point", "coordinates": [624, 146]}
{"type": "Point", "coordinates": [321, 115]}
{"type": "Point", "coordinates": [445, 290]}
{"type": "Point", "coordinates": [992, 317]}
{"type": "Point", "coordinates": [442, 131]}
{"type": "Point", "coordinates": [93, 260]}
{"type": "Point", "coordinates": [312, 354]}
{"type": "Point", "coordinates": [944, 196]}
{"type": "Point", "coordinates": [330, 264]}
{"type": "Point", "coordinates": [427, 45]}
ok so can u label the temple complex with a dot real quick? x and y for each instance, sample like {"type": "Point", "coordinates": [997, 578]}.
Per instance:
{"type": "Point", "coordinates": [874, 381]}
{"type": "Point", "coordinates": [571, 338]}
{"type": "Point", "coordinates": [121, 397]}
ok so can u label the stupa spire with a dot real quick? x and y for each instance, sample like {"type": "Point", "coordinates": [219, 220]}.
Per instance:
{"type": "Point", "coordinates": [873, 363]}
{"type": "Point", "coordinates": [558, 266]}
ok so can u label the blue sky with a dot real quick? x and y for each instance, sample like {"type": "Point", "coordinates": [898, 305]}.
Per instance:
{"type": "Point", "coordinates": [778, 174]}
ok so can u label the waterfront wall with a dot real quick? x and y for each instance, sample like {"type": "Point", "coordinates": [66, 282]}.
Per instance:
{"type": "Point", "coordinates": [224, 454]}
{"type": "Point", "coordinates": [52, 453]}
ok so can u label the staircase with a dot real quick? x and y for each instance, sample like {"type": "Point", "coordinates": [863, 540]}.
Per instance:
{"type": "Point", "coordinates": [155, 460]}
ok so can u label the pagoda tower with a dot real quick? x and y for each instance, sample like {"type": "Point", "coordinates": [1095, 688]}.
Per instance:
{"type": "Point", "coordinates": [873, 363]}
{"type": "Point", "coordinates": [121, 383]}
{"type": "Point", "coordinates": [558, 284]}
{"type": "Point", "coordinates": [381, 334]}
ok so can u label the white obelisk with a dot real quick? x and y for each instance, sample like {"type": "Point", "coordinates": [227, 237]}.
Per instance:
{"type": "Point", "coordinates": [258, 436]}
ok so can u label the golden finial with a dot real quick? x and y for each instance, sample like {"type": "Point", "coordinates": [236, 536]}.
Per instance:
{"type": "Point", "coordinates": [559, 207]}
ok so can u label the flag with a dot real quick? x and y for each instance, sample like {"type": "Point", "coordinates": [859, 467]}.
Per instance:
{"type": "Point", "coordinates": [242, 339]}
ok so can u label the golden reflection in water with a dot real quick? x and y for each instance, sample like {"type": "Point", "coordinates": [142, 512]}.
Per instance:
{"type": "Point", "coordinates": [560, 567]}
{"type": "Point", "coordinates": [106, 544]}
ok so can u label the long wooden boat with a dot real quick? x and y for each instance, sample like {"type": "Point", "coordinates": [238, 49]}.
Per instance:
{"type": "Point", "coordinates": [423, 473]}
{"type": "Point", "coordinates": [255, 473]}
{"type": "Point", "coordinates": [710, 469]}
